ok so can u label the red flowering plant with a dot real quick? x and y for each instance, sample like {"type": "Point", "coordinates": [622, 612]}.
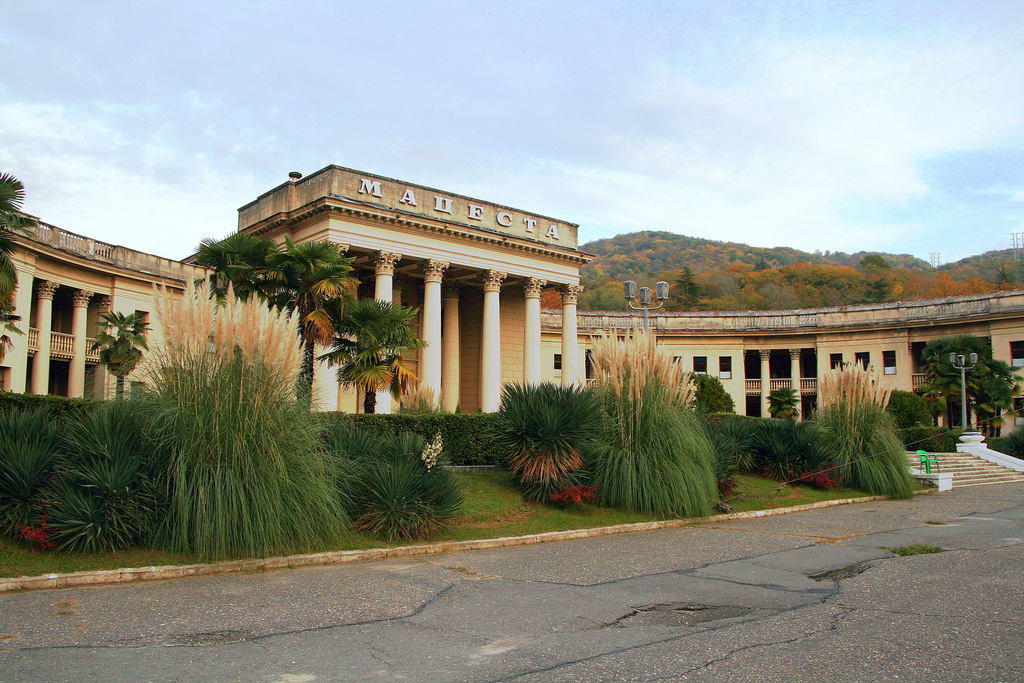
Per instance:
{"type": "Point", "coordinates": [40, 535]}
{"type": "Point", "coordinates": [819, 480]}
{"type": "Point", "coordinates": [579, 493]}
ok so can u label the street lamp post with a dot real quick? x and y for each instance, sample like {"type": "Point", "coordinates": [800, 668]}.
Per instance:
{"type": "Point", "coordinates": [960, 363]}
{"type": "Point", "coordinates": [644, 296]}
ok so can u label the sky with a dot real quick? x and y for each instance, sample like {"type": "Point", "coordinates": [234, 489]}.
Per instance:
{"type": "Point", "coordinates": [893, 126]}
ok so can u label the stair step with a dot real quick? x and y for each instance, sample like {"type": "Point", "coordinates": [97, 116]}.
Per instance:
{"type": "Point", "coordinates": [970, 470]}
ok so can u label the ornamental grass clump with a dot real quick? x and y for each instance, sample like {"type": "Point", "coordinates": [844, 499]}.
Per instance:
{"type": "Point", "coordinates": [859, 435]}
{"type": "Point", "coordinates": [544, 432]}
{"type": "Point", "coordinates": [29, 453]}
{"type": "Point", "coordinates": [653, 454]}
{"type": "Point", "coordinates": [246, 473]}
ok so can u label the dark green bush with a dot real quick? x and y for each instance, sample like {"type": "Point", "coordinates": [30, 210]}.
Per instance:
{"type": "Point", "coordinates": [29, 453]}
{"type": "Point", "coordinates": [466, 436]}
{"type": "Point", "coordinates": [908, 409]}
{"type": "Point", "coordinates": [108, 496]}
{"type": "Point", "coordinates": [543, 432]}
{"type": "Point", "coordinates": [711, 396]}
{"type": "Point", "coordinates": [1013, 444]}
{"type": "Point", "coordinates": [931, 439]}
{"type": "Point", "coordinates": [786, 449]}
{"type": "Point", "coordinates": [58, 406]}
{"type": "Point", "coordinates": [395, 495]}
{"type": "Point", "coordinates": [733, 439]}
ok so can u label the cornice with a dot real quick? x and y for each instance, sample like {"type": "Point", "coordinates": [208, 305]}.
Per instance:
{"type": "Point", "coordinates": [348, 207]}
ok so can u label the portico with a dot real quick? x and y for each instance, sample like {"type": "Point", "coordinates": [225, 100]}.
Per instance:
{"type": "Point", "coordinates": [475, 270]}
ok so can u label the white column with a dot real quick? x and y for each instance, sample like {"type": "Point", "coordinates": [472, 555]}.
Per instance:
{"type": "Point", "coordinates": [450, 355]}
{"type": "Point", "coordinates": [100, 381]}
{"type": "Point", "coordinates": [17, 356]}
{"type": "Point", "coordinates": [430, 371]}
{"type": "Point", "coordinates": [76, 372]}
{"type": "Point", "coordinates": [490, 351]}
{"type": "Point", "coordinates": [384, 291]}
{"type": "Point", "coordinates": [531, 343]}
{"type": "Point", "coordinates": [44, 321]}
{"type": "Point", "coordinates": [570, 339]}
{"type": "Point", "coordinates": [765, 381]}
{"type": "Point", "coordinates": [794, 373]}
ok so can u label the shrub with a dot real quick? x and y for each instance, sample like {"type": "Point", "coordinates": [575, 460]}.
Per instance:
{"type": "Point", "coordinates": [710, 395]}
{"type": "Point", "coordinates": [1014, 444]}
{"type": "Point", "coordinates": [785, 449]}
{"type": "Point", "coordinates": [29, 452]}
{"type": "Point", "coordinates": [908, 409]}
{"type": "Point", "coordinates": [466, 437]}
{"type": "Point", "coordinates": [732, 437]}
{"type": "Point", "coordinates": [108, 496]}
{"type": "Point", "coordinates": [398, 496]}
{"type": "Point", "coordinates": [542, 431]}
{"type": "Point", "coordinates": [862, 440]}
{"type": "Point", "coordinates": [653, 454]}
{"type": "Point", "coordinates": [57, 406]}
{"type": "Point", "coordinates": [247, 475]}
{"type": "Point", "coordinates": [931, 439]}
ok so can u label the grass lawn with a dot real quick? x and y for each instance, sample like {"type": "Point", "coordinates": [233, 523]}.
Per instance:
{"type": "Point", "coordinates": [493, 509]}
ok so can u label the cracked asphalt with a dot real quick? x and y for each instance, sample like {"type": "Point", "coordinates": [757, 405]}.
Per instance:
{"type": "Point", "coordinates": [810, 596]}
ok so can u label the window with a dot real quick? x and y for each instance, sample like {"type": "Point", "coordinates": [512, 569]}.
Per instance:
{"type": "Point", "coordinates": [889, 362]}
{"type": "Point", "coordinates": [700, 365]}
{"type": "Point", "coordinates": [835, 360]}
{"type": "Point", "coordinates": [1017, 354]}
{"type": "Point", "coordinates": [1018, 408]}
{"type": "Point", "coordinates": [558, 361]}
{"type": "Point", "coordinates": [864, 358]}
{"type": "Point", "coordinates": [725, 367]}
{"type": "Point", "coordinates": [677, 359]}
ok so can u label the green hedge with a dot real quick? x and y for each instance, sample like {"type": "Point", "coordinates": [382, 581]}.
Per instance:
{"type": "Point", "coordinates": [465, 436]}
{"type": "Point", "coordinates": [931, 439]}
{"type": "Point", "coordinates": [58, 405]}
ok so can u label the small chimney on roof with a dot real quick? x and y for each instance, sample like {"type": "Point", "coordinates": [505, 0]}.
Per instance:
{"type": "Point", "coordinates": [294, 175]}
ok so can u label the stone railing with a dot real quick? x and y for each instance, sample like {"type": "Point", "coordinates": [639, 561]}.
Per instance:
{"type": "Point", "coordinates": [120, 257]}
{"type": "Point", "coordinates": [62, 344]}
{"type": "Point", "coordinates": [861, 315]}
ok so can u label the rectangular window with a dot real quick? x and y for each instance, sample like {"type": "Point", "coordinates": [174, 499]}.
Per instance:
{"type": "Point", "coordinates": [889, 362]}
{"type": "Point", "coordinates": [1018, 408]}
{"type": "Point", "coordinates": [1017, 354]}
{"type": "Point", "coordinates": [864, 358]}
{"type": "Point", "coordinates": [677, 359]}
{"type": "Point", "coordinates": [835, 360]}
{"type": "Point", "coordinates": [558, 361]}
{"type": "Point", "coordinates": [725, 367]}
{"type": "Point", "coordinates": [700, 365]}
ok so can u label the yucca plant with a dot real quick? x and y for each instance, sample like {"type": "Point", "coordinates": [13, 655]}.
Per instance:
{"type": "Point", "coordinates": [733, 439]}
{"type": "Point", "coordinates": [653, 454]}
{"type": "Point", "coordinates": [786, 449]}
{"type": "Point", "coordinates": [544, 431]}
{"type": "Point", "coordinates": [399, 495]}
{"type": "Point", "coordinates": [247, 475]}
{"type": "Point", "coordinates": [29, 453]}
{"type": "Point", "coordinates": [108, 495]}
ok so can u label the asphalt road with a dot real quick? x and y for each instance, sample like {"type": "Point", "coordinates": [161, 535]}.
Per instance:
{"type": "Point", "coordinates": [811, 596]}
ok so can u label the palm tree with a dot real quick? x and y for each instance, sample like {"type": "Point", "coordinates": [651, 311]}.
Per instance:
{"type": "Point", "coordinates": [370, 340]}
{"type": "Point", "coordinates": [7, 320]}
{"type": "Point", "coordinates": [310, 279]}
{"type": "Point", "coordinates": [12, 195]}
{"type": "Point", "coordinates": [121, 347]}
{"type": "Point", "coordinates": [782, 403]}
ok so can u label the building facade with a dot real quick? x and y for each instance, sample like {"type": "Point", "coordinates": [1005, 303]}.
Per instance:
{"type": "Point", "coordinates": [476, 271]}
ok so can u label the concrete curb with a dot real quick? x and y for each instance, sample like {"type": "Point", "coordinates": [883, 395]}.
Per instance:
{"type": "Point", "coordinates": [106, 576]}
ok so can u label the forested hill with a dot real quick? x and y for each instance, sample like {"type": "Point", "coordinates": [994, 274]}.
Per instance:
{"type": "Point", "coordinates": [712, 275]}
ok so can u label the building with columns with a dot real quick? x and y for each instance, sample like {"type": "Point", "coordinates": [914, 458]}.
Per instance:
{"type": "Point", "coordinates": [755, 352]}
{"type": "Point", "coordinates": [65, 283]}
{"type": "Point", "coordinates": [474, 269]}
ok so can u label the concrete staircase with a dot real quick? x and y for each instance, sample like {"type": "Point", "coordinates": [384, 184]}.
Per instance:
{"type": "Point", "coordinates": [969, 470]}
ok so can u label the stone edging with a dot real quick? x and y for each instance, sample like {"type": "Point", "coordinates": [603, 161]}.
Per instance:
{"type": "Point", "coordinates": [105, 576]}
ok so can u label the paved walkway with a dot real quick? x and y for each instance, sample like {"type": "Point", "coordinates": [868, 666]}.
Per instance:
{"type": "Point", "coordinates": [811, 596]}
